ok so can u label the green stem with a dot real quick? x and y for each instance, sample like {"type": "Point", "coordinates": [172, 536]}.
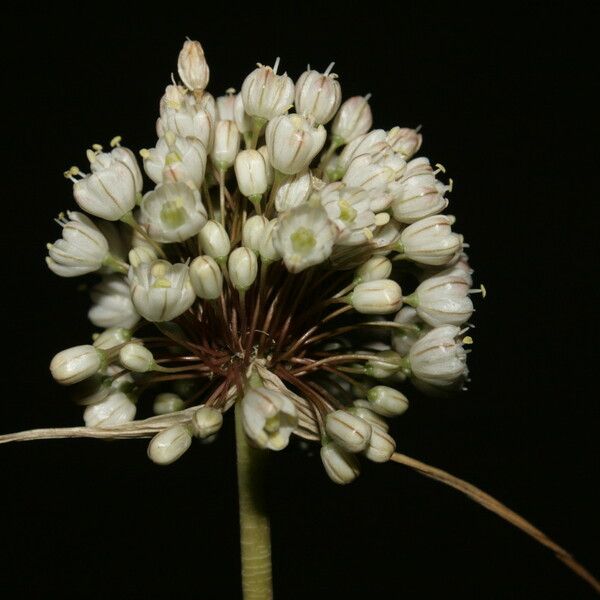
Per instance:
{"type": "Point", "coordinates": [255, 533]}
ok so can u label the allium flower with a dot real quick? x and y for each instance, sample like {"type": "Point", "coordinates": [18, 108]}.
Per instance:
{"type": "Point", "coordinates": [303, 289]}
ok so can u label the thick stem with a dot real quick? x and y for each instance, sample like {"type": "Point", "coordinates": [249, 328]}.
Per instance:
{"type": "Point", "coordinates": [255, 532]}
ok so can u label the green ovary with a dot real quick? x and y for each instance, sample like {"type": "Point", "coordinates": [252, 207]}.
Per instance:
{"type": "Point", "coordinates": [272, 424]}
{"type": "Point", "coordinates": [347, 213]}
{"type": "Point", "coordinates": [173, 214]}
{"type": "Point", "coordinates": [303, 240]}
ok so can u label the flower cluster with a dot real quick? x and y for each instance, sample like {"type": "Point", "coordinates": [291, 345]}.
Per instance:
{"type": "Point", "coordinates": [299, 275]}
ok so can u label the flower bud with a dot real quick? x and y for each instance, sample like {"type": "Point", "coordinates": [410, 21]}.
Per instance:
{"type": "Point", "coordinates": [378, 297]}
{"type": "Point", "coordinates": [318, 95]}
{"type": "Point", "coordinates": [377, 267]}
{"type": "Point", "coordinates": [293, 190]}
{"type": "Point", "coordinates": [140, 255]}
{"type": "Point", "coordinates": [115, 336]}
{"type": "Point", "coordinates": [242, 119]}
{"type": "Point", "coordinates": [269, 417]}
{"type": "Point", "coordinates": [438, 358]}
{"type": "Point", "coordinates": [353, 119]}
{"type": "Point", "coordinates": [349, 431]}
{"type": "Point", "coordinates": [363, 144]}
{"type": "Point", "coordinates": [226, 144]}
{"type": "Point", "coordinates": [226, 106]}
{"type": "Point", "coordinates": [82, 249]}
{"type": "Point", "coordinates": [169, 445]}
{"type": "Point", "coordinates": [304, 237]}
{"type": "Point", "coordinates": [251, 173]}
{"type": "Point", "coordinates": [266, 94]}
{"type": "Point", "coordinates": [406, 142]}
{"type": "Point", "coordinates": [167, 403]}
{"type": "Point", "coordinates": [112, 305]}
{"type": "Point", "coordinates": [253, 232]}
{"type": "Point", "coordinates": [206, 278]}
{"type": "Point", "coordinates": [172, 212]}
{"type": "Point", "coordinates": [116, 410]}
{"type": "Point", "coordinates": [268, 166]}
{"type": "Point", "coordinates": [362, 409]}
{"type": "Point", "coordinates": [214, 240]}
{"type": "Point", "coordinates": [431, 241]}
{"type": "Point", "coordinates": [381, 446]}
{"type": "Point", "coordinates": [243, 268]}
{"type": "Point", "coordinates": [293, 142]}
{"type": "Point", "coordinates": [109, 192]}
{"type": "Point", "coordinates": [76, 364]}
{"type": "Point", "coordinates": [136, 358]}
{"type": "Point", "coordinates": [386, 364]}
{"type": "Point", "coordinates": [443, 300]}
{"type": "Point", "coordinates": [206, 421]}
{"type": "Point", "coordinates": [268, 251]}
{"type": "Point", "coordinates": [161, 291]}
{"type": "Point", "coordinates": [176, 158]}
{"type": "Point", "coordinates": [341, 466]}
{"type": "Point", "coordinates": [192, 66]}
{"type": "Point", "coordinates": [387, 401]}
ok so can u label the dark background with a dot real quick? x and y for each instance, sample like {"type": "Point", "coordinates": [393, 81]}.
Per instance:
{"type": "Point", "coordinates": [87, 519]}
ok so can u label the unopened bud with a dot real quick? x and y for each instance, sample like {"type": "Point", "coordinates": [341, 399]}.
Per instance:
{"type": "Point", "coordinates": [253, 232]}
{"type": "Point", "coordinates": [386, 364]}
{"type": "Point", "coordinates": [353, 119]}
{"type": "Point", "coordinates": [251, 173]}
{"type": "Point", "coordinates": [206, 278]}
{"type": "Point", "coordinates": [169, 445]}
{"type": "Point", "coordinates": [76, 364]}
{"type": "Point", "coordinates": [387, 401]}
{"type": "Point", "coordinates": [341, 466]}
{"type": "Point", "coordinates": [115, 336]}
{"type": "Point", "coordinates": [192, 66]}
{"type": "Point", "coordinates": [378, 297]}
{"type": "Point", "coordinates": [243, 268]}
{"type": "Point", "coordinates": [206, 421]}
{"type": "Point", "coordinates": [378, 267]}
{"type": "Point", "coordinates": [226, 144]}
{"type": "Point", "coordinates": [167, 403]}
{"type": "Point", "coordinates": [381, 446]}
{"type": "Point", "coordinates": [349, 431]}
{"type": "Point", "coordinates": [214, 240]}
{"type": "Point", "coordinates": [136, 358]}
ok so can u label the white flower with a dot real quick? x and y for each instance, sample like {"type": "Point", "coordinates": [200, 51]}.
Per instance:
{"type": "Point", "coordinates": [108, 192]}
{"type": "Point", "coordinates": [341, 466]}
{"type": "Point", "coordinates": [418, 194]}
{"type": "Point", "coordinates": [206, 277]}
{"type": "Point", "coordinates": [269, 417]}
{"type": "Point", "coordinates": [226, 106]}
{"type": "Point", "coordinates": [377, 267]}
{"type": "Point", "coordinates": [366, 143]}
{"type": "Point", "coordinates": [251, 173]}
{"type": "Point", "coordinates": [269, 167]}
{"type": "Point", "coordinates": [167, 403]}
{"type": "Point", "coordinates": [172, 212]}
{"type": "Point", "coordinates": [81, 250]}
{"type": "Point", "coordinates": [305, 237]}
{"type": "Point", "coordinates": [443, 300]}
{"type": "Point", "coordinates": [349, 208]}
{"type": "Point", "coordinates": [103, 160]}
{"type": "Point", "coordinates": [353, 119]}
{"type": "Point", "coordinates": [169, 445]}
{"type": "Point", "coordinates": [112, 304]}
{"type": "Point", "coordinates": [226, 144]}
{"type": "Point", "coordinates": [293, 190]}
{"type": "Point", "coordinates": [112, 337]}
{"type": "Point", "coordinates": [431, 241]}
{"type": "Point", "coordinates": [377, 297]}
{"type": "Point", "coordinates": [214, 240]}
{"type": "Point", "coordinates": [242, 119]}
{"type": "Point", "coordinates": [266, 94]}
{"type": "Point", "coordinates": [350, 432]}
{"type": "Point", "coordinates": [161, 291]}
{"type": "Point", "coordinates": [176, 158]}
{"type": "Point", "coordinates": [187, 121]}
{"type": "Point", "coordinates": [374, 171]}
{"type": "Point", "coordinates": [268, 251]}
{"type": "Point", "coordinates": [76, 364]}
{"type": "Point", "coordinates": [404, 141]}
{"type": "Point", "coordinates": [293, 142]}
{"type": "Point", "coordinates": [192, 66]}
{"type": "Point", "coordinates": [381, 446]}
{"type": "Point", "coordinates": [438, 358]}
{"type": "Point", "coordinates": [318, 95]}
{"type": "Point", "coordinates": [116, 410]}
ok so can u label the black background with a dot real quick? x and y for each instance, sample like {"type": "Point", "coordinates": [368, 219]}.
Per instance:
{"type": "Point", "coordinates": [87, 519]}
